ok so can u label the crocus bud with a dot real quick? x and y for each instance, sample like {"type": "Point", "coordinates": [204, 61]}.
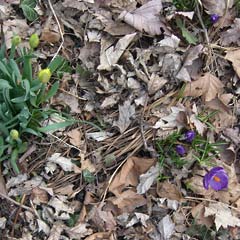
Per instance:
{"type": "Point", "coordinates": [189, 136]}
{"type": "Point", "coordinates": [180, 150]}
{"type": "Point", "coordinates": [16, 40]}
{"type": "Point", "coordinates": [44, 75]}
{"type": "Point", "coordinates": [14, 134]}
{"type": "Point", "coordinates": [214, 18]}
{"type": "Point", "coordinates": [34, 40]}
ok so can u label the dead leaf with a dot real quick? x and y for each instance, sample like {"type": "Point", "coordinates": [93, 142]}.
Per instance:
{"type": "Point", "coordinates": [234, 57]}
{"type": "Point", "coordinates": [43, 227]}
{"type": "Point", "coordinates": [147, 179]}
{"type": "Point", "coordinates": [110, 54]}
{"type": "Point", "coordinates": [100, 235]}
{"type": "Point", "coordinates": [65, 163]}
{"type": "Point", "coordinates": [3, 189]}
{"type": "Point", "coordinates": [217, 7]}
{"type": "Point", "coordinates": [126, 112]}
{"type": "Point", "coordinates": [168, 190]}
{"type": "Point", "coordinates": [70, 99]}
{"type": "Point", "coordinates": [75, 137]}
{"type": "Point", "coordinates": [156, 82]}
{"type": "Point", "coordinates": [186, 72]}
{"type": "Point", "coordinates": [129, 173]}
{"type": "Point", "coordinates": [39, 196]}
{"type": "Point", "coordinates": [166, 227]}
{"type": "Point", "coordinates": [50, 32]}
{"type": "Point", "coordinates": [128, 200]}
{"type": "Point", "coordinates": [14, 27]}
{"type": "Point", "coordinates": [79, 231]}
{"type": "Point", "coordinates": [172, 120]}
{"type": "Point", "coordinates": [198, 215]}
{"type": "Point", "coordinates": [56, 231]}
{"type": "Point", "coordinates": [223, 215]}
{"type": "Point", "coordinates": [233, 134]}
{"type": "Point", "coordinates": [231, 35]}
{"type": "Point", "coordinates": [3, 221]}
{"type": "Point", "coordinates": [138, 218]}
{"type": "Point", "coordinates": [99, 136]}
{"type": "Point", "coordinates": [207, 86]}
{"type": "Point", "coordinates": [146, 18]}
{"type": "Point", "coordinates": [104, 219]}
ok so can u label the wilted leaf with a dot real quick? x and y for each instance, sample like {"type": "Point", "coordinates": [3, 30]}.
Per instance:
{"type": "Point", "coordinates": [146, 18]}
{"type": "Point", "coordinates": [223, 215]}
{"type": "Point", "coordinates": [126, 112]}
{"type": "Point", "coordinates": [207, 86]}
{"type": "Point", "coordinates": [234, 57]}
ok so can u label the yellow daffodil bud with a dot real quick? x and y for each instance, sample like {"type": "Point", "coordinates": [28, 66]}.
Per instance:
{"type": "Point", "coordinates": [16, 40]}
{"type": "Point", "coordinates": [14, 134]}
{"type": "Point", "coordinates": [44, 75]}
{"type": "Point", "coordinates": [34, 40]}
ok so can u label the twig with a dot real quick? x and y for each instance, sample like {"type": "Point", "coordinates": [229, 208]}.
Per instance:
{"type": "Point", "coordinates": [62, 141]}
{"type": "Point", "coordinates": [15, 202]}
{"type": "Point", "coordinates": [27, 153]}
{"type": "Point", "coordinates": [60, 30]}
{"type": "Point", "coordinates": [17, 214]}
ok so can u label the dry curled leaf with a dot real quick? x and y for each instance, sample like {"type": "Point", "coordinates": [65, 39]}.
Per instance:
{"type": "Point", "coordinates": [207, 86]}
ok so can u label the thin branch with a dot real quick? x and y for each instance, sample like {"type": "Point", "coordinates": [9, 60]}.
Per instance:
{"type": "Point", "coordinates": [59, 27]}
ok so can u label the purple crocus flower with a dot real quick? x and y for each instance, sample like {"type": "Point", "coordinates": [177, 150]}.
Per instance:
{"type": "Point", "coordinates": [214, 18]}
{"type": "Point", "coordinates": [189, 136]}
{"type": "Point", "coordinates": [180, 150]}
{"type": "Point", "coordinates": [216, 178]}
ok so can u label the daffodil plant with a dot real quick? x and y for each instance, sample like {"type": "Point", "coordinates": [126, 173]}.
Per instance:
{"type": "Point", "coordinates": [22, 97]}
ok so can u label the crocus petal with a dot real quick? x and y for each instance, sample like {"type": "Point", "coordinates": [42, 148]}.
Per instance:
{"type": "Point", "coordinates": [217, 178]}
{"type": "Point", "coordinates": [221, 184]}
{"type": "Point", "coordinates": [206, 181]}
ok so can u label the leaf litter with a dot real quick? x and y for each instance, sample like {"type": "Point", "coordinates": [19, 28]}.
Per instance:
{"type": "Point", "coordinates": [137, 78]}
